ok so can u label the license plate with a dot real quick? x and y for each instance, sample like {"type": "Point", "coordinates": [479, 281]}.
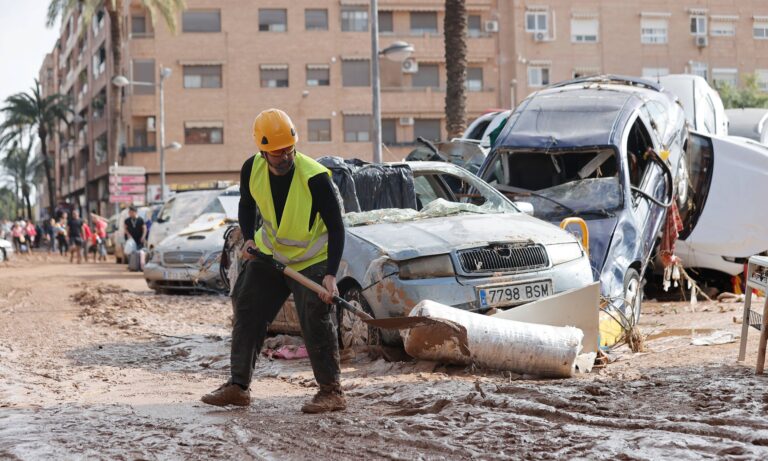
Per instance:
{"type": "Point", "coordinates": [504, 295]}
{"type": "Point", "coordinates": [176, 275]}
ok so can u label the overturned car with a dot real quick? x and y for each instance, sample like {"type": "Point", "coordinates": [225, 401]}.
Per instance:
{"type": "Point", "coordinates": [609, 150]}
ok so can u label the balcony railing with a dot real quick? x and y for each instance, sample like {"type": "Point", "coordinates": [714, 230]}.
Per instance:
{"type": "Point", "coordinates": [133, 149]}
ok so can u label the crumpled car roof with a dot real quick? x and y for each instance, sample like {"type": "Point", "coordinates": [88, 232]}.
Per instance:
{"type": "Point", "coordinates": [568, 118]}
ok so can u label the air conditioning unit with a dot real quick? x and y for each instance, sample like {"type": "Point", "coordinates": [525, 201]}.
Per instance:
{"type": "Point", "coordinates": [491, 26]}
{"type": "Point", "coordinates": [150, 123]}
{"type": "Point", "coordinates": [410, 66]}
{"type": "Point", "coordinates": [406, 121]}
{"type": "Point", "coordinates": [539, 36]}
{"type": "Point", "coordinates": [701, 41]}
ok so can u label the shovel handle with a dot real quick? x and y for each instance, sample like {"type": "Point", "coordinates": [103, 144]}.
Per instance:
{"type": "Point", "coordinates": [308, 283]}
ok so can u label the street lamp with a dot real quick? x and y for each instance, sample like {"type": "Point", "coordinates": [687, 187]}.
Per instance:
{"type": "Point", "coordinates": [398, 51]}
{"type": "Point", "coordinates": [165, 72]}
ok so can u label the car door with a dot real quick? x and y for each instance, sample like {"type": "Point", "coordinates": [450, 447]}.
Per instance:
{"type": "Point", "coordinates": [728, 215]}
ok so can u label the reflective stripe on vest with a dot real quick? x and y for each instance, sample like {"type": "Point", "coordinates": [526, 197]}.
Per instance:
{"type": "Point", "coordinates": [291, 242]}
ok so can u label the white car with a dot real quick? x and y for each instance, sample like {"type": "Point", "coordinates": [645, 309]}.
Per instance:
{"type": "Point", "coordinates": [750, 123]}
{"type": "Point", "coordinates": [6, 250]}
{"type": "Point", "coordinates": [729, 221]}
{"type": "Point", "coordinates": [482, 127]}
{"type": "Point", "coordinates": [702, 105]}
{"type": "Point", "coordinates": [180, 210]}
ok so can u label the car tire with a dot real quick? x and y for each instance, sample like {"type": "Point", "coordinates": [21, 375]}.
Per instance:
{"type": "Point", "coordinates": [633, 295]}
{"type": "Point", "coordinates": [351, 330]}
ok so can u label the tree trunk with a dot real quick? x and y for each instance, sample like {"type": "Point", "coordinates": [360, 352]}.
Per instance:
{"type": "Point", "coordinates": [455, 26]}
{"type": "Point", "coordinates": [25, 195]}
{"type": "Point", "coordinates": [49, 180]}
{"type": "Point", "coordinates": [116, 102]}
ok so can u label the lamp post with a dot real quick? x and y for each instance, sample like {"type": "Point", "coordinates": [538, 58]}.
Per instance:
{"type": "Point", "coordinates": [398, 51]}
{"type": "Point", "coordinates": [165, 72]}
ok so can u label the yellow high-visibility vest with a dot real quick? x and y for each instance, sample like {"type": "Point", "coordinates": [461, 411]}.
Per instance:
{"type": "Point", "coordinates": [292, 243]}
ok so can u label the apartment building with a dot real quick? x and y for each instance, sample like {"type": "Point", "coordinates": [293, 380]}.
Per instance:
{"type": "Point", "coordinates": [545, 42]}
{"type": "Point", "coordinates": [230, 60]}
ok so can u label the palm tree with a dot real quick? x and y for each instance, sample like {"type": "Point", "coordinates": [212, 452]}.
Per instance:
{"type": "Point", "coordinates": [39, 113]}
{"type": "Point", "coordinates": [24, 168]}
{"type": "Point", "coordinates": [8, 205]}
{"type": "Point", "coordinates": [455, 30]}
{"type": "Point", "coordinates": [168, 9]}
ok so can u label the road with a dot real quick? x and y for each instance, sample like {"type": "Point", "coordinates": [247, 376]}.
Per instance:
{"type": "Point", "coordinates": [94, 365]}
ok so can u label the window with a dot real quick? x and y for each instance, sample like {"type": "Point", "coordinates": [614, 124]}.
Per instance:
{"type": "Point", "coordinates": [389, 131]}
{"type": "Point", "coordinates": [700, 69]}
{"type": "Point", "coordinates": [722, 77]}
{"type": "Point", "coordinates": [273, 20]}
{"type": "Point", "coordinates": [427, 76]}
{"type": "Point", "coordinates": [202, 76]}
{"type": "Point", "coordinates": [319, 130]}
{"type": "Point", "coordinates": [538, 76]}
{"type": "Point", "coordinates": [139, 26]}
{"type": "Point", "coordinates": [424, 22]}
{"type": "Point", "coordinates": [315, 19]}
{"type": "Point", "coordinates": [474, 79]}
{"type": "Point", "coordinates": [722, 29]}
{"type": "Point", "coordinates": [143, 72]}
{"type": "Point", "coordinates": [274, 76]}
{"type": "Point", "coordinates": [354, 19]}
{"type": "Point", "coordinates": [536, 21]}
{"type": "Point", "coordinates": [140, 137]}
{"type": "Point", "coordinates": [760, 30]}
{"type": "Point", "coordinates": [474, 25]}
{"type": "Point", "coordinates": [100, 149]}
{"type": "Point", "coordinates": [762, 79]}
{"type": "Point", "coordinates": [201, 21]}
{"type": "Point", "coordinates": [355, 72]}
{"type": "Point", "coordinates": [203, 133]}
{"type": "Point", "coordinates": [653, 31]}
{"type": "Point", "coordinates": [357, 128]}
{"type": "Point", "coordinates": [318, 75]}
{"type": "Point", "coordinates": [427, 128]}
{"type": "Point", "coordinates": [698, 25]}
{"type": "Point", "coordinates": [584, 30]}
{"type": "Point", "coordinates": [99, 61]}
{"type": "Point", "coordinates": [386, 22]}
{"type": "Point", "coordinates": [655, 72]}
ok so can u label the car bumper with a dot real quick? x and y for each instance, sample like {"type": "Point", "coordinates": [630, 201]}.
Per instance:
{"type": "Point", "coordinates": [182, 278]}
{"type": "Point", "coordinates": [394, 297]}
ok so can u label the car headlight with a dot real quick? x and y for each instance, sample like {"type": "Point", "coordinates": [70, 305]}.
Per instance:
{"type": "Point", "coordinates": [564, 252]}
{"type": "Point", "coordinates": [209, 260]}
{"type": "Point", "coordinates": [427, 268]}
{"type": "Point", "coordinates": [154, 256]}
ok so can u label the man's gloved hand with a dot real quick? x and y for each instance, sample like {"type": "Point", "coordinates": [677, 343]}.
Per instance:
{"type": "Point", "coordinates": [245, 254]}
{"type": "Point", "coordinates": [329, 283]}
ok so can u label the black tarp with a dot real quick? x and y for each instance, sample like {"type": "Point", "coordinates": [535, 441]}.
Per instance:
{"type": "Point", "coordinates": [373, 186]}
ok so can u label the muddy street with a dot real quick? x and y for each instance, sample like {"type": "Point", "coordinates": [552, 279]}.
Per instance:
{"type": "Point", "coordinates": [94, 365]}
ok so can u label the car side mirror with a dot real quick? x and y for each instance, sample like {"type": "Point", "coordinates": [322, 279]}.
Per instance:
{"type": "Point", "coordinates": [525, 207]}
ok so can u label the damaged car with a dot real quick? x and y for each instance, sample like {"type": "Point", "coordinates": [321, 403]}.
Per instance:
{"type": "Point", "coordinates": [435, 231]}
{"type": "Point", "coordinates": [609, 150]}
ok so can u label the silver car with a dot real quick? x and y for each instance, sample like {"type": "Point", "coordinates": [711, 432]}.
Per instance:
{"type": "Point", "coordinates": [189, 260]}
{"type": "Point", "coordinates": [465, 245]}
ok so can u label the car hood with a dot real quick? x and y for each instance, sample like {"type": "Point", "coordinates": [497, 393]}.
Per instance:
{"type": "Point", "coordinates": [426, 237]}
{"type": "Point", "coordinates": [205, 241]}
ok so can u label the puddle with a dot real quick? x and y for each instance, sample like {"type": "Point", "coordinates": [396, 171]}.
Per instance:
{"type": "Point", "coordinates": [681, 332]}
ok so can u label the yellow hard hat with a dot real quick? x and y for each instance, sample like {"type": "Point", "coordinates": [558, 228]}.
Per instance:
{"type": "Point", "coordinates": [274, 130]}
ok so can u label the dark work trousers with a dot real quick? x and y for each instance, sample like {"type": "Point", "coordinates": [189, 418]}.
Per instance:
{"type": "Point", "coordinates": [259, 293]}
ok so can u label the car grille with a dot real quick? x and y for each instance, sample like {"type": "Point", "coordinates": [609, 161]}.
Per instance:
{"type": "Point", "coordinates": [181, 258]}
{"type": "Point", "coordinates": [503, 258]}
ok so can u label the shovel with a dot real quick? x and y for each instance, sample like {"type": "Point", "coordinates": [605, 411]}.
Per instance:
{"type": "Point", "coordinates": [391, 323]}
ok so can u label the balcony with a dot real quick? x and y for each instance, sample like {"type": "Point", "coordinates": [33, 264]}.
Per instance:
{"type": "Point", "coordinates": [134, 149]}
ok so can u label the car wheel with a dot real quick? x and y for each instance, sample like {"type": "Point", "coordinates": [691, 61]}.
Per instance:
{"type": "Point", "coordinates": [633, 295]}
{"type": "Point", "coordinates": [353, 331]}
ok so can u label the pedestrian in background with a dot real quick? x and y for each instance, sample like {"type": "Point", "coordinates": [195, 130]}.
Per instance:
{"type": "Point", "coordinates": [75, 231]}
{"type": "Point", "coordinates": [61, 234]}
{"type": "Point", "coordinates": [100, 235]}
{"type": "Point", "coordinates": [31, 233]}
{"type": "Point", "coordinates": [135, 228]}
{"type": "Point", "coordinates": [49, 230]}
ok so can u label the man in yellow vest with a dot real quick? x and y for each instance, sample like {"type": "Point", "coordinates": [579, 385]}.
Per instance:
{"type": "Point", "coordinates": [302, 228]}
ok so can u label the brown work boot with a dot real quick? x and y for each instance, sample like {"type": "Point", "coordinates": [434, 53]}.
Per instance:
{"type": "Point", "coordinates": [228, 394]}
{"type": "Point", "coordinates": [328, 398]}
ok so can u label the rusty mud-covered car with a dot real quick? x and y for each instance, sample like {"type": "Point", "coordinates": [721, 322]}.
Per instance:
{"type": "Point", "coordinates": [609, 150]}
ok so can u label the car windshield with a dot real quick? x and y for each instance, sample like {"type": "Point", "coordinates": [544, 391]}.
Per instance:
{"type": "Point", "coordinates": [559, 183]}
{"type": "Point", "coordinates": [187, 206]}
{"type": "Point", "coordinates": [439, 193]}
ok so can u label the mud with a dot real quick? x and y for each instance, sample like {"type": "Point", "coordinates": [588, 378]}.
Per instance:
{"type": "Point", "coordinates": [94, 366]}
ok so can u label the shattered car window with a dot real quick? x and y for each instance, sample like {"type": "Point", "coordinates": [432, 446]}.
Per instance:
{"type": "Point", "coordinates": [440, 194]}
{"type": "Point", "coordinates": [560, 183]}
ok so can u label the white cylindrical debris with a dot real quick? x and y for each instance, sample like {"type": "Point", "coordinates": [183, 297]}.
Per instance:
{"type": "Point", "coordinates": [525, 348]}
